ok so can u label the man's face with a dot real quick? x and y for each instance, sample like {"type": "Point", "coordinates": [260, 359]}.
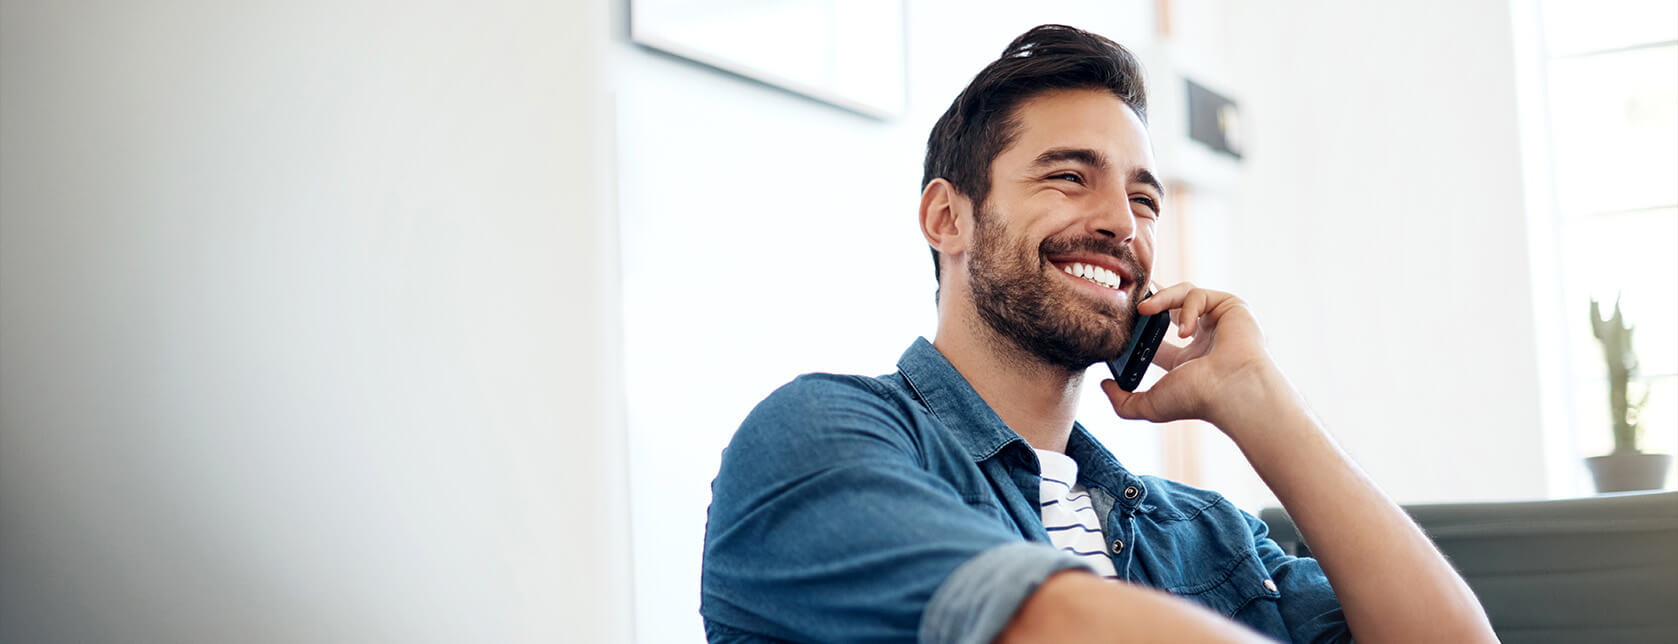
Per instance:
{"type": "Point", "coordinates": [1075, 192]}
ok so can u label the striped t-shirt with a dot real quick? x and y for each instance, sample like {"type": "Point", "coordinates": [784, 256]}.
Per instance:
{"type": "Point", "coordinates": [1068, 515]}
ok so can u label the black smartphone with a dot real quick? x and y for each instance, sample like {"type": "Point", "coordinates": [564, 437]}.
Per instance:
{"type": "Point", "coordinates": [1139, 351]}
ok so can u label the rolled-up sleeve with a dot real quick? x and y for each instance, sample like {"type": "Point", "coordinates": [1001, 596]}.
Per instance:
{"type": "Point", "coordinates": [826, 525]}
{"type": "Point", "coordinates": [977, 600]}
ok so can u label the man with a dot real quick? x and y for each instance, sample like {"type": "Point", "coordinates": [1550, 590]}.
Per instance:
{"type": "Point", "coordinates": [957, 500]}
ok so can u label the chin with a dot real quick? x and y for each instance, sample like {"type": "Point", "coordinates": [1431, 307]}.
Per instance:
{"type": "Point", "coordinates": [1077, 346]}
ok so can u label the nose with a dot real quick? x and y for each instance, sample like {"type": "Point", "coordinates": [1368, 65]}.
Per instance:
{"type": "Point", "coordinates": [1113, 220]}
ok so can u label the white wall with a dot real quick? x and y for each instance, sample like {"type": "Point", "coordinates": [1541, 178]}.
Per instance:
{"type": "Point", "coordinates": [306, 324]}
{"type": "Point", "coordinates": [1382, 235]}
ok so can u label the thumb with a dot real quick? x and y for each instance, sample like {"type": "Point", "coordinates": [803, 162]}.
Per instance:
{"type": "Point", "coordinates": [1129, 405]}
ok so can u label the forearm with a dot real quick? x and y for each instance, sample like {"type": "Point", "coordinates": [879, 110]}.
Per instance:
{"type": "Point", "coordinates": [1075, 607]}
{"type": "Point", "coordinates": [1393, 585]}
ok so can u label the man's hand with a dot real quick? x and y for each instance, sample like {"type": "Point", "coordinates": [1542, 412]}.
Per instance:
{"type": "Point", "coordinates": [1222, 374]}
{"type": "Point", "coordinates": [1392, 583]}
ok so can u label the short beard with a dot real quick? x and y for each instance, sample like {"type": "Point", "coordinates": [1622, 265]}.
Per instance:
{"type": "Point", "coordinates": [1041, 318]}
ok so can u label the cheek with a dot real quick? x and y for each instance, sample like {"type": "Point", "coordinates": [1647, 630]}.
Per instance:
{"type": "Point", "coordinates": [1048, 208]}
{"type": "Point", "coordinates": [1144, 246]}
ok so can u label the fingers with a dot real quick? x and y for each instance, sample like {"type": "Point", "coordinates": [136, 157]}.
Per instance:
{"type": "Point", "coordinates": [1187, 304]}
{"type": "Point", "coordinates": [1193, 305]}
{"type": "Point", "coordinates": [1170, 297]}
{"type": "Point", "coordinates": [1154, 405]}
{"type": "Point", "coordinates": [1129, 406]}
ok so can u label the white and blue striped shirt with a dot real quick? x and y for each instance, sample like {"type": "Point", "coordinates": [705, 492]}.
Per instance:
{"type": "Point", "coordinates": [1068, 515]}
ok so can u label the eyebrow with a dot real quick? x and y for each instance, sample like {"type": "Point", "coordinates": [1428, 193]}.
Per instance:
{"type": "Point", "coordinates": [1096, 160]}
{"type": "Point", "coordinates": [1142, 175]}
{"type": "Point", "coordinates": [1083, 156]}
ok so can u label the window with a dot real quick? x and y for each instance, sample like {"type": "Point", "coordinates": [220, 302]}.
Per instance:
{"type": "Point", "coordinates": [1602, 104]}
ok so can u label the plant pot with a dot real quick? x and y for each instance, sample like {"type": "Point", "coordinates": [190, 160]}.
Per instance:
{"type": "Point", "coordinates": [1629, 471]}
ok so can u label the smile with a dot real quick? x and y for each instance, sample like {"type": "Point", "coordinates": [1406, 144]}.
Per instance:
{"type": "Point", "coordinates": [1094, 274]}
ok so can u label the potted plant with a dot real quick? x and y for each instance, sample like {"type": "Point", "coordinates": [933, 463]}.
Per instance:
{"type": "Point", "coordinates": [1627, 468]}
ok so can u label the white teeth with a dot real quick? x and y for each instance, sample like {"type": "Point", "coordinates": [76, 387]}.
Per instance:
{"type": "Point", "coordinates": [1094, 274]}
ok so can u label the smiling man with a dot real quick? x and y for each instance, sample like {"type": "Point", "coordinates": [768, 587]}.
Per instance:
{"type": "Point", "coordinates": [957, 500]}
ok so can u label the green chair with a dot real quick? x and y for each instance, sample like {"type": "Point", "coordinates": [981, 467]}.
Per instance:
{"type": "Point", "coordinates": [1599, 569]}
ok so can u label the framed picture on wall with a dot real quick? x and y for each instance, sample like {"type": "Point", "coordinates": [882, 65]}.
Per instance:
{"type": "Point", "coordinates": [848, 53]}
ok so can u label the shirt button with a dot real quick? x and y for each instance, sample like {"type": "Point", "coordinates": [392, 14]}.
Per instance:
{"type": "Point", "coordinates": [1270, 585]}
{"type": "Point", "coordinates": [1131, 492]}
{"type": "Point", "coordinates": [1118, 546]}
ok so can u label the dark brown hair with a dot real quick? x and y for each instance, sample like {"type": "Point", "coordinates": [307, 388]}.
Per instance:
{"type": "Point", "coordinates": [982, 121]}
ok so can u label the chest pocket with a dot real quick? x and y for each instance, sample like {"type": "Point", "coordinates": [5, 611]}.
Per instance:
{"type": "Point", "coordinates": [1241, 584]}
{"type": "Point", "coordinates": [1206, 556]}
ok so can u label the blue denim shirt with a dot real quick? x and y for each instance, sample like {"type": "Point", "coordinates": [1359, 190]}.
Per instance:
{"type": "Point", "coordinates": [890, 509]}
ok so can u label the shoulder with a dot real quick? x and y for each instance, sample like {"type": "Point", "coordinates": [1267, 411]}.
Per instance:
{"type": "Point", "coordinates": [826, 415]}
{"type": "Point", "coordinates": [823, 392]}
{"type": "Point", "coordinates": [815, 401]}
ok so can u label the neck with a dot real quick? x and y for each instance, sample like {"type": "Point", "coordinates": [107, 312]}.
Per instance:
{"type": "Point", "coordinates": [1037, 400]}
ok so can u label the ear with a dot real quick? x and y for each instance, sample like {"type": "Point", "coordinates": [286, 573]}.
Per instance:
{"type": "Point", "coordinates": [946, 219]}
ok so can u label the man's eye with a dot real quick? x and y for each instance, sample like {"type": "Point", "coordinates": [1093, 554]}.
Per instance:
{"type": "Point", "coordinates": [1147, 201]}
{"type": "Point", "coordinates": [1069, 176]}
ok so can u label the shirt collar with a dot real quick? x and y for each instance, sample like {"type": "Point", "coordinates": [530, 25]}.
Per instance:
{"type": "Point", "coordinates": [1097, 464]}
{"type": "Point", "coordinates": [954, 402]}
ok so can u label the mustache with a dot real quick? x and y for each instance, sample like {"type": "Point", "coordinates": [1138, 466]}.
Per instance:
{"type": "Point", "coordinates": [1097, 245]}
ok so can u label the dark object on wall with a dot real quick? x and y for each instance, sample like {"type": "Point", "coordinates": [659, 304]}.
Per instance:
{"type": "Point", "coordinates": [1214, 120]}
{"type": "Point", "coordinates": [1600, 569]}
